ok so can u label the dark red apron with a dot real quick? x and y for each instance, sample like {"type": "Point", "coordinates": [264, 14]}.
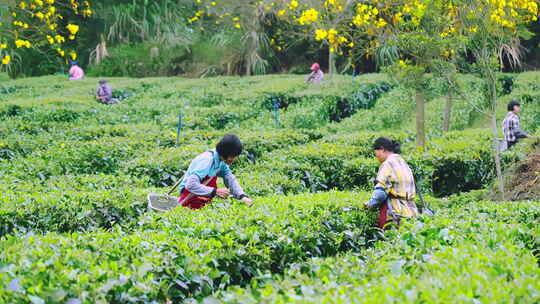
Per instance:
{"type": "Point", "coordinates": [188, 199]}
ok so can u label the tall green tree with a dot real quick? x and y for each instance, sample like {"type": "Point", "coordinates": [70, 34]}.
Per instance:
{"type": "Point", "coordinates": [42, 29]}
{"type": "Point", "coordinates": [424, 34]}
{"type": "Point", "coordinates": [494, 29]}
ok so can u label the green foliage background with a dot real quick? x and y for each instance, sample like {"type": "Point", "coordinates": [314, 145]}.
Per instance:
{"type": "Point", "coordinates": [131, 28]}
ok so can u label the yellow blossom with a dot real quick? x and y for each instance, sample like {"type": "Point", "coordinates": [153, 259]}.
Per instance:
{"type": "Point", "coordinates": [72, 28]}
{"type": "Point", "coordinates": [308, 16]}
{"type": "Point", "coordinates": [320, 34]}
{"type": "Point", "coordinates": [19, 43]}
{"type": "Point", "coordinates": [59, 39]}
{"type": "Point", "coordinates": [6, 59]}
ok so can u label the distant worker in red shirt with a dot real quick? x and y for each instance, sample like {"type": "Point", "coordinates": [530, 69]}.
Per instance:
{"type": "Point", "coordinates": [316, 75]}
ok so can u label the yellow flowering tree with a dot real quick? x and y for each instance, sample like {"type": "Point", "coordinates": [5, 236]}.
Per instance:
{"type": "Point", "coordinates": [344, 27]}
{"type": "Point", "coordinates": [340, 26]}
{"type": "Point", "coordinates": [325, 21]}
{"type": "Point", "coordinates": [45, 26]}
{"type": "Point", "coordinates": [494, 29]}
{"type": "Point", "coordinates": [248, 21]}
{"type": "Point", "coordinates": [424, 32]}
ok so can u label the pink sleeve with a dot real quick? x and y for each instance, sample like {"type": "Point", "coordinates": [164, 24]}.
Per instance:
{"type": "Point", "coordinates": [76, 72]}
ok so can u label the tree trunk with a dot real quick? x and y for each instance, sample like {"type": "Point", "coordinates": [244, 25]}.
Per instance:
{"type": "Point", "coordinates": [331, 63]}
{"type": "Point", "coordinates": [447, 112]}
{"type": "Point", "coordinates": [420, 119]}
{"type": "Point", "coordinates": [495, 130]}
{"type": "Point", "coordinates": [248, 67]}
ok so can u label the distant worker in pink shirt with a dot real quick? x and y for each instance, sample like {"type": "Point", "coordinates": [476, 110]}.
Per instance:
{"type": "Point", "coordinates": [316, 75]}
{"type": "Point", "coordinates": [75, 72]}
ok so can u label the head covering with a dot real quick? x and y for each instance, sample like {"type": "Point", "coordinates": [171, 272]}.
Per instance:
{"type": "Point", "coordinates": [315, 67]}
{"type": "Point", "coordinates": [73, 62]}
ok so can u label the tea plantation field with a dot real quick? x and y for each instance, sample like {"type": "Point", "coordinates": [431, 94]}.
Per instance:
{"type": "Point", "coordinates": [74, 224]}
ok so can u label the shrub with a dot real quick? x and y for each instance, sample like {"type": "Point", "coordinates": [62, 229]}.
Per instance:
{"type": "Point", "coordinates": [69, 211]}
{"type": "Point", "coordinates": [363, 98]}
{"type": "Point", "coordinates": [455, 257]}
{"type": "Point", "coordinates": [182, 254]}
{"type": "Point", "coordinates": [136, 61]}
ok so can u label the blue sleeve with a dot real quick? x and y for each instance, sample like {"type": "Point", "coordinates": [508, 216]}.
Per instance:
{"type": "Point", "coordinates": [201, 166]}
{"type": "Point", "coordinates": [193, 185]}
{"type": "Point", "coordinates": [224, 170]}
{"type": "Point", "coordinates": [378, 197]}
{"type": "Point", "coordinates": [232, 183]}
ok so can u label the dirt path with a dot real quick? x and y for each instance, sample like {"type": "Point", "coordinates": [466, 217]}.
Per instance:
{"type": "Point", "coordinates": [524, 179]}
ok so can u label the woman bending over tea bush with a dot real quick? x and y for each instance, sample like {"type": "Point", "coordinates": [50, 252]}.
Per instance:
{"type": "Point", "coordinates": [395, 189]}
{"type": "Point", "coordinates": [199, 185]}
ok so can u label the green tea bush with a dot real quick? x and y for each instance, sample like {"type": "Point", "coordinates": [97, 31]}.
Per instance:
{"type": "Point", "coordinates": [364, 97]}
{"type": "Point", "coordinates": [5, 91]}
{"type": "Point", "coordinates": [69, 211]}
{"type": "Point", "coordinates": [525, 91]}
{"type": "Point", "coordinates": [163, 167]}
{"type": "Point", "coordinates": [75, 175]}
{"type": "Point", "coordinates": [182, 254]}
{"type": "Point", "coordinates": [459, 161]}
{"type": "Point", "coordinates": [311, 113]}
{"type": "Point", "coordinates": [282, 100]}
{"type": "Point", "coordinates": [476, 252]}
{"type": "Point", "coordinates": [219, 117]}
{"type": "Point", "coordinates": [11, 110]}
{"type": "Point", "coordinates": [391, 111]}
{"type": "Point", "coordinates": [14, 145]}
{"type": "Point", "coordinates": [102, 156]}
